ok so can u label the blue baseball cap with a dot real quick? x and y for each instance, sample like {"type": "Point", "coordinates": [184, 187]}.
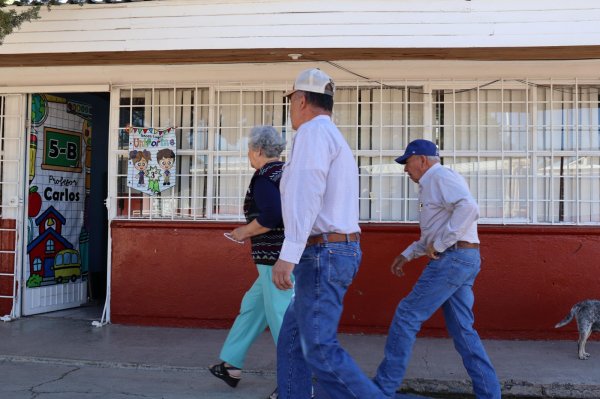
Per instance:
{"type": "Point", "coordinates": [418, 147]}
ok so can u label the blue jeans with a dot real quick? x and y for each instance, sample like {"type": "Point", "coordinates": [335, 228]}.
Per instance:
{"type": "Point", "coordinates": [308, 338]}
{"type": "Point", "coordinates": [446, 282]}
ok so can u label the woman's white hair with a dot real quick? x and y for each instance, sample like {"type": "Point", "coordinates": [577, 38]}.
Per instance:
{"type": "Point", "coordinates": [267, 139]}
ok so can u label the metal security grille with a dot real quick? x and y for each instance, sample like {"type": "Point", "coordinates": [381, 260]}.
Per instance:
{"type": "Point", "coordinates": [12, 138]}
{"type": "Point", "coordinates": [529, 149]}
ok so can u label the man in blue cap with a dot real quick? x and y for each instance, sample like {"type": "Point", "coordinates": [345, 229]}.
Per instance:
{"type": "Point", "coordinates": [448, 220]}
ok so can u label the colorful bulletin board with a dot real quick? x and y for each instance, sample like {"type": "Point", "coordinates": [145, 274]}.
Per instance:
{"type": "Point", "coordinates": [151, 163]}
{"type": "Point", "coordinates": [59, 188]}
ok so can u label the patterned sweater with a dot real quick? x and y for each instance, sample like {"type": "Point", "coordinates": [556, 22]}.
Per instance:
{"type": "Point", "coordinates": [266, 247]}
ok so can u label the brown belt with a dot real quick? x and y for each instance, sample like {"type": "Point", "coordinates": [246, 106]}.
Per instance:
{"type": "Point", "coordinates": [332, 237]}
{"type": "Point", "coordinates": [465, 244]}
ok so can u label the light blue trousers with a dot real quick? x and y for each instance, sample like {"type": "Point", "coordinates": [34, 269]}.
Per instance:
{"type": "Point", "coordinates": [263, 305]}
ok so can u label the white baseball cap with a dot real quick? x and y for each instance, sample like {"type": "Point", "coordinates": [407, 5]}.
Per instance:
{"type": "Point", "coordinates": [313, 80]}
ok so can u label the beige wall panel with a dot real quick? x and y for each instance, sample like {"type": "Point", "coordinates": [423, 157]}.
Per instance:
{"type": "Point", "coordinates": [284, 73]}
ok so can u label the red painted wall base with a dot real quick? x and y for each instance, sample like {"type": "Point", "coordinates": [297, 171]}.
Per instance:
{"type": "Point", "coordinates": [7, 264]}
{"type": "Point", "coordinates": [189, 275]}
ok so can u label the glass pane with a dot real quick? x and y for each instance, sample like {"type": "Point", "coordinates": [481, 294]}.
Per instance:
{"type": "Point", "coordinates": [555, 138]}
{"type": "Point", "coordinates": [517, 188]}
{"type": "Point", "coordinates": [555, 118]}
{"type": "Point", "coordinates": [486, 120]}
{"type": "Point", "coordinates": [231, 139]}
{"type": "Point", "coordinates": [384, 188]}
{"type": "Point", "coordinates": [349, 133]}
{"type": "Point", "coordinates": [589, 189]}
{"type": "Point", "coordinates": [589, 118]}
{"type": "Point", "coordinates": [469, 168]}
{"type": "Point", "coordinates": [557, 188]}
{"type": "Point", "coordinates": [201, 130]}
{"type": "Point", "coordinates": [163, 117]}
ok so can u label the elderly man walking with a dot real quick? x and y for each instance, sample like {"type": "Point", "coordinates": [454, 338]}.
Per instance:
{"type": "Point", "coordinates": [319, 199]}
{"type": "Point", "coordinates": [448, 220]}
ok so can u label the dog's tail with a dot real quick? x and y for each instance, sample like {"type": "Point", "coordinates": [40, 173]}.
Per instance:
{"type": "Point", "coordinates": [569, 317]}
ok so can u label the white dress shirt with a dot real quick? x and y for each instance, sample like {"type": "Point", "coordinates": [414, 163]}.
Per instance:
{"type": "Point", "coordinates": [447, 211]}
{"type": "Point", "coordinates": [319, 187]}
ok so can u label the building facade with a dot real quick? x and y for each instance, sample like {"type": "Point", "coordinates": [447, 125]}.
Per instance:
{"type": "Point", "coordinates": [509, 91]}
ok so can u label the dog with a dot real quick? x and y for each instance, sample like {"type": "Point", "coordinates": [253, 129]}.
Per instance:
{"type": "Point", "coordinates": [587, 314]}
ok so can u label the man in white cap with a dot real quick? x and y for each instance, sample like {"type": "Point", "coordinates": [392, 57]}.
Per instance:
{"type": "Point", "coordinates": [319, 198]}
{"type": "Point", "coordinates": [448, 217]}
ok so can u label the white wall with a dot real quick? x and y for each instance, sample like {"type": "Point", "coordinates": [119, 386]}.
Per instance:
{"type": "Point", "coordinates": [251, 24]}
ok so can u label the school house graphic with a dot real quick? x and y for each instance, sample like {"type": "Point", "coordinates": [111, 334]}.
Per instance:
{"type": "Point", "coordinates": [51, 257]}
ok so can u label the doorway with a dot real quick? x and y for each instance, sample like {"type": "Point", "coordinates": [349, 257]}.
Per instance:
{"type": "Point", "coordinates": [65, 253]}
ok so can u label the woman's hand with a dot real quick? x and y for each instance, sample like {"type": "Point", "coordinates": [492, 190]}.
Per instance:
{"type": "Point", "coordinates": [239, 233]}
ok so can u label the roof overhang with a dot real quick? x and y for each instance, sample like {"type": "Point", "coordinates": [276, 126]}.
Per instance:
{"type": "Point", "coordinates": [305, 54]}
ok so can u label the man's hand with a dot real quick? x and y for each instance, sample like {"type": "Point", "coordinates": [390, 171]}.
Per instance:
{"type": "Point", "coordinates": [282, 272]}
{"type": "Point", "coordinates": [431, 252]}
{"type": "Point", "coordinates": [398, 265]}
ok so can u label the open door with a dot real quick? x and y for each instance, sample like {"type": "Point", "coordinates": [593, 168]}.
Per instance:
{"type": "Point", "coordinates": [56, 258]}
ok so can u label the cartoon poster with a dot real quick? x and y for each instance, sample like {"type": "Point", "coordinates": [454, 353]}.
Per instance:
{"type": "Point", "coordinates": [59, 187]}
{"type": "Point", "coordinates": [151, 159]}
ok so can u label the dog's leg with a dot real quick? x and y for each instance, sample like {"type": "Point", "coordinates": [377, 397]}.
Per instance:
{"type": "Point", "coordinates": [584, 334]}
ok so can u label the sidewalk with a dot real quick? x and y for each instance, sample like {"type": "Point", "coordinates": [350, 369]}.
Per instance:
{"type": "Point", "coordinates": [61, 353]}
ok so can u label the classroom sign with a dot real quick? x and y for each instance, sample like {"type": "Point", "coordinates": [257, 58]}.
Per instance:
{"type": "Point", "coordinates": [151, 163]}
{"type": "Point", "coordinates": [59, 188]}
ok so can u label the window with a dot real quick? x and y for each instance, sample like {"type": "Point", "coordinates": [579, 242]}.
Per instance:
{"type": "Point", "coordinates": [212, 167]}
{"type": "Point", "coordinates": [37, 265]}
{"type": "Point", "coordinates": [529, 150]}
{"type": "Point", "coordinates": [50, 246]}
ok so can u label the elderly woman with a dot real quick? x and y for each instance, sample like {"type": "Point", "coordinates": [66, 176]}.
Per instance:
{"type": "Point", "coordinates": [263, 304]}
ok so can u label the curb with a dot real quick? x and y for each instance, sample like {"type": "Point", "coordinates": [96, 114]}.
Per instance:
{"type": "Point", "coordinates": [510, 388]}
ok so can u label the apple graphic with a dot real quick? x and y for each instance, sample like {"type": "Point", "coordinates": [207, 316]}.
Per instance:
{"type": "Point", "coordinates": [35, 202]}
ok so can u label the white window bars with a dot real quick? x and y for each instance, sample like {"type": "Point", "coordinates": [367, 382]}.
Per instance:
{"type": "Point", "coordinates": [529, 149]}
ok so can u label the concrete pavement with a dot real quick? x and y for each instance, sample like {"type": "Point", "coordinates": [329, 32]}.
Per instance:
{"type": "Point", "coordinates": [61, 355]}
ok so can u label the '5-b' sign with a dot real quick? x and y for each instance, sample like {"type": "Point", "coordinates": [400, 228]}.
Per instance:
{"type": "Point", "coordinates": [62, 150]}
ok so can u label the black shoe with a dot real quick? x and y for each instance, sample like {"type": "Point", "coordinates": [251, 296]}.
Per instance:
{"type": "Point", "coordinates": [274, 395]}
{"type": "Point", "coordinates": [221, 371]}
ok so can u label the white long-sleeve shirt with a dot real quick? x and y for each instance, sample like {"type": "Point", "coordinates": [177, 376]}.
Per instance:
{"type": "Point", "coordinates": [319, 187]}
{"type": "Point", "coordinates": [447, 212]}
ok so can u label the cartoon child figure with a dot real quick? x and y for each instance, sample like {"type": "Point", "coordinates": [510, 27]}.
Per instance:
{"type": "Point", "coordinates": [140, 162]}
{"type": "Point", "coordinates": [166, 159]}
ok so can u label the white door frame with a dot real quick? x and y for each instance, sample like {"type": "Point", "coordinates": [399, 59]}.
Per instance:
{"type": "Point", "coordinates": [13, 199]}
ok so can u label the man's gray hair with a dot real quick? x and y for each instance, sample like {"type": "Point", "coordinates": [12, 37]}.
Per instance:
{"type": "Point", "coordinates": [433, 158]}
{"type": "Point", "coordinates": [267, 139]}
